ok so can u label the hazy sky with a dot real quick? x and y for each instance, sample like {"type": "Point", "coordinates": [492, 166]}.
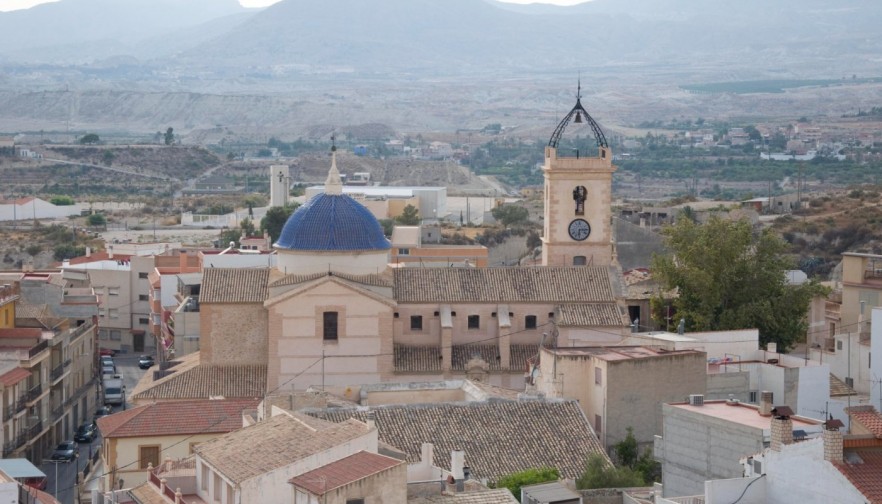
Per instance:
{"type": "Point", "coordinates": [8, 5]}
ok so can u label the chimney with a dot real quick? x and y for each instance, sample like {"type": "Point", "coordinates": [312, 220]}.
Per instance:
{"type": "Point", "coordinates": [772, 347]}
{"type": "Point", "coordinates": [88, 251]}
{"type": "Point", "coordinates": [110, 252]}
{"type": "Point", "coordinates": [450, 485]}
{"type": "Point", "coordinates": [427, 454]}
{"type": "Point", "coordinates": [183, 260]}
{"type": "Point", "coordinates": [457, 462]}
{"type": "Point", "coordinates": [833, 440]}
{"type": "Point", "coordinates": [782, 427]}
{"type": "Point", "coordinates": [65, 263]}
{"type": "Point", "coordinates": [765, 404]}
{"type": "Point", "coordinates": [372, 420]}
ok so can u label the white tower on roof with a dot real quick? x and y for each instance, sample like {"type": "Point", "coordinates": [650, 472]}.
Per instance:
{"type": "Point", "coordinates": [280, 183]}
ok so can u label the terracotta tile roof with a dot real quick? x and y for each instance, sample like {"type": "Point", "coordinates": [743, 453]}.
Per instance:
{"type": "Point", "coordinates": [838, 387]}
{"type": "Point", "coordinates": [417, 358]}
{"type": "Point", "coordinates": [497, 496]}
{"type": "Point", "coordinates": [178, 417]}
{"type": "Point", "coordinates": [382, 280]}
{"type": "Point", "coordinates": [25, 310]}
{"type": "Point", "coordinates": [178, 365]}
{"type": "Point", "coordinates": [593, 314]}
{"type": "Point", "coordinates": [234, 285]}
{"type": "Point", "coordinates": [868, 417]}
{"type": "Point", "coordinates": [274, 443]}
{"type": "Point", "coordinates": [21, 332]}
{"type": "Point", "coordinates": [343, 472]}
{"type": "Point", "coordinates": [428, 358]}
{"type": "Point", "coordinates": [208, 380]}
{"type": "Point", "coordinates": [146, 493]}
{"type": "Point", "coordinates": [493, 285]}
{"type": "Point", "coordinates": [865, 476]}
{"type": "Point", "coordinates": [10, 378]}
{"type": "Point", "coordinates": [498, 437]}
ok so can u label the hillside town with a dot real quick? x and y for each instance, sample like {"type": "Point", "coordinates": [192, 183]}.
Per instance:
{"type": "Point", "coordinates": [334, 362]}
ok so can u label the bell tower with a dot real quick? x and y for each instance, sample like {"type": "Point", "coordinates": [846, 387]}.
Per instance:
{"type": "Point", "coordinates": [578, 197]}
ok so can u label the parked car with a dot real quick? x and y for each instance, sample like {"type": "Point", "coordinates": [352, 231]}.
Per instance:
{"type": "Point", "coordinates": [108, 369]}
{"type": "Point", "coordinates": [103, 411]}
{"type": "Point", "coordinates": [38, 482]}
{"type": "Point", "coordinates": [106, 351]}
{"type": "Point", "coordinates": [86, 433]}
{"type": "Point", "coordinates": [145, 361]}
{"type": "Point", "coordinates": [66, 451]}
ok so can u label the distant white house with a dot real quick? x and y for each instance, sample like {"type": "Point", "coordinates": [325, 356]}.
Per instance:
{"type": "Point", "coordinates": [30, 208]}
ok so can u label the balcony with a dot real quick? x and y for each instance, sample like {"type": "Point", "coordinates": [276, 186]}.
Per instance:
{"type": "Point", "coordinates": [34, 393]}
{"type": "Point", "coordinates": [56, 373]}
{"type": "Point", "coordinates": [14, 444]}
{"type": "Point", "coordinates": [67, 362]}
{"type": "Point", "coordinates": [35, 429]}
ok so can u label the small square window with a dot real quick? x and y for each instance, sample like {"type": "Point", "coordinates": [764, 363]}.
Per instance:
{"type": "Point", "coordinates": [530, 322]}
{"type": "Point", "coordinates": [143, 321]}
{"type": "Point", "coordinates": [142, 274]}
{"type": "Point", "coordinates": [404, 251]}
{"type": "Point", "coordinates": [416, 322]}
{"type": "Point", "coordinates": [329, 319]}
{"type": "Point", "coordinates": [143, 297]}
{"type": "Point", "coordinates": [474, 321]}
{"type": "Point", "coordinates": [598, 376]}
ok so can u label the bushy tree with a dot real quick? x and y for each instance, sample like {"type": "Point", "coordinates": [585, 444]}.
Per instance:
{"type": "Point", "coordinates": [410, 216]}
{"type": "Point", "coordinates": [90, 139]}
{"type": "Point", "coordinates": [728, 276]}
{"type": "Point", "coordinates": [67, 251]}
{"type": "Point", "coordinates": [61, 200]}
{"type": "Point", "coordinates": [96, 219]}
{"type": "Point", "coordinates": [169, 136]}
{"type": "Point", "coordinates": [599, 473]}
{"type": "Point", "coordinates": [275, 219]}
{"type": "Point", "coordinates": [515, 481]}
{"type": "Point", "coordinates": [645, 465]}
{"type": "Point", "coordinates": [510, 215]}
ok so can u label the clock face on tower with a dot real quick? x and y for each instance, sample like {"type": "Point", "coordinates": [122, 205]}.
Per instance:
{"type": "Point", "coordinates": [579, 229]}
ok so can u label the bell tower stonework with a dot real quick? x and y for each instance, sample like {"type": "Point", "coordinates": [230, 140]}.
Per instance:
{"type": "Point", "coordinates": [578, 199]}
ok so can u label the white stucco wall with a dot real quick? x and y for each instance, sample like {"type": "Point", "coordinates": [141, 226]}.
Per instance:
{"type": "Point", "coordinates": [354, 263]}
{"type": "Point", "coordinates": [876, 350]}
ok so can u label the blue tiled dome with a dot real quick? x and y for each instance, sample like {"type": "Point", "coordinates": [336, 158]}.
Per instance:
{"type": "Point", "coordinates": [332, 222]}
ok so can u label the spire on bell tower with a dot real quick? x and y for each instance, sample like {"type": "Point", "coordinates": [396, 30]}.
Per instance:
{"type": "Point", "coordinates": [333, 184]}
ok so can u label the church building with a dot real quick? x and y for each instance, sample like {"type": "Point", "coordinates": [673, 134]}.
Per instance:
{"type": "Point", "coordinates": [336, 313]}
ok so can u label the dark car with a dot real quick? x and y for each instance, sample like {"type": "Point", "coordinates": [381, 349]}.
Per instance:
{"type": "Point", "coordinates": [86, 433]}
{"type": "Point", "coordinates": [145, 361]}
{"type": "Point", "coordinates": [103, 411]}
{"type": "Point", "coordinates": [66, 451]}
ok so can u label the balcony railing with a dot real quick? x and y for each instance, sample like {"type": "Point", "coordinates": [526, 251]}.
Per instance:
{"type": "Point", "coordinates": [34, 393]}
{"type": "Point", "coordinates": [67, 362]}
{"type": "Point", "coordinates": [35, 429]}
{"type": "Point", "coordinates": [14, 443]}
{"type": "Point", "coordinates": [56, 372]}
{"type": "Point", "coordinates": [79, 331]}
{"type": "Point", "coordinates": [36, 349]}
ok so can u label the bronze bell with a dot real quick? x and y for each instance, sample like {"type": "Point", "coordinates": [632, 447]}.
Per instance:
{"type": "Point", "coordinates": [578, 117]}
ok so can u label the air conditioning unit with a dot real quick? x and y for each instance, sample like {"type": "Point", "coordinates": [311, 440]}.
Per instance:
{"type": "Point", "coordinates": [696, 399]}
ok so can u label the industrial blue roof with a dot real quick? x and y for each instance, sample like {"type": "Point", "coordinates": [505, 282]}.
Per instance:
{"type": "Point", "coordinates": [333, 222]}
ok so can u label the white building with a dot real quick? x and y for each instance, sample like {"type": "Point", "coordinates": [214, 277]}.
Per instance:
{"type": "Point", "coordinates": [30, 208]}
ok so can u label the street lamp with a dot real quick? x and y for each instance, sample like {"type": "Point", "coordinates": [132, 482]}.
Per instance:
{"type": "Point", "coordinates": [55, 463]}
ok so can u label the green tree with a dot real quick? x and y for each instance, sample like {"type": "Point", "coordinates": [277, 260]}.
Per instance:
{"type": "Point", "coordinates": [410, 216]}
{"type": "Point", "coordinates": [275, 220]}
{"type": "Point", "coordinates": [626, 450]}
{"type": "Point", "coordinates": [96, 219]}
{"type": "Point", "coordinates": [515, 481]}
{"type": "Point", "coordinates": [107, 157]}
{"type": "Point", "coordinates": [61, 200]}
{"type": "Point", "coordinates": [388, 225]}
{"type": "Point", "coordinates": [247, 227]}
{"type": "Point", "coordinates": [230, 235]}
{"type": "Point", "coordinates": [599, 473]}
{"type": "Point", "coordinates": [729, 277]}
{"type": "Point", "coordinates": [67, 251]}
{"type": "Point", "coordinates": [169, 136]}
{"type": "Point", "coordinates": [511, 215]}
{"type": "Point", "coordinates": [33, 250]}
{"type": "Point", "coordinates": [90, 139]}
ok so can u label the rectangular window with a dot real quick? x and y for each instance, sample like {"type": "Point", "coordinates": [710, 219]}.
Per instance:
{"type": "Point", "coordinates": [115, 335]}
{"type": "Point", "coordinates": [530, 322]}
{"type": "Point", "coordinates": [205, 476]}
{"type": "Point", "coordinates": [416, 322]}
{"type": "Point", "coordinates": [142, 274]}
{"type": "Point", "coordinates": [404, 251]}
{"type": "Point", "coordinates": [839, 345]}
{"type": "Point", "coordinates": [329, 325]}
{"type": "Point", "coordinates": [598, 376]}
{"type": "Point", "coordinates": [354, 501]}
{"type": "Point", "coordinates": [598, 424]}
{"type": "Point", "coordinates": [113, 313]}
{"type": "Point", "coordinates": [143, 321]}
{"type": "Point", "coordinates": [113, 291]}
{"type": "Point", "coordinates": [474, 321]}
{"type": "Point", "coordinates": [148, 455]}
{"type": "Point", "coordinates": [143, 297]}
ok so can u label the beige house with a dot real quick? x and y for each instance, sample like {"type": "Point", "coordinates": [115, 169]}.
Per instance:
{"type": "Point", "coordinates": [138, 439]}
{"type": "Point", "coordinates": [620, 386]}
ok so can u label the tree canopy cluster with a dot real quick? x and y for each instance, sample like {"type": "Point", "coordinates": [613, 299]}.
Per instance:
{"type": "Point", "coordinates": [729, 276]}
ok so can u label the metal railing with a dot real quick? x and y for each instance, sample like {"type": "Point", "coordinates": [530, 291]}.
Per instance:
{"type": "Point", "coordinates": [80, 330]}
{"type": "Point", "coordinates": [35, 429]}
{"type": "Point", "coordinates": [14, 444]}
{"type": "Point", "coordinates": [67, 362]}
{"type": "Point", "coordinates": [56, 372]}
{"type": "Point", "coordinates": [34, 393]}
{"type": "Point", "coordinates": [36, 349]}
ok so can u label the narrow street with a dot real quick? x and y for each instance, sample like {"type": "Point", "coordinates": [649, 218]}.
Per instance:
{"type": "Point", "coordinates": [127, 366]}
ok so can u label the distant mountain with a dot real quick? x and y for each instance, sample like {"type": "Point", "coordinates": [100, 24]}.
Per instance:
{"type": "Point", "coordinates": [73, 31]}
{"type": "Point", "coordinates": [457, 37]}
